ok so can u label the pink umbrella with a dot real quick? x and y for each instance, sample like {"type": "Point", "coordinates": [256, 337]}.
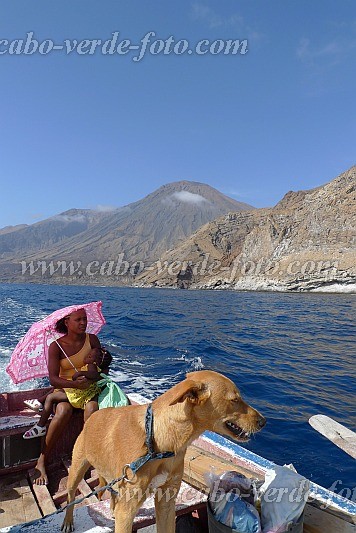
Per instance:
{"type": "Point", "coordinates": [29, 359]}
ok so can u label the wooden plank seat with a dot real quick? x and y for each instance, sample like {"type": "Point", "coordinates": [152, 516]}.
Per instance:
{"type": "Point", "coordinates": [17, 453]}
{"type": "Point", "coordinates": [15, 422]}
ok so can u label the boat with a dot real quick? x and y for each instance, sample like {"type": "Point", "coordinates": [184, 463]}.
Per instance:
{"type": "Point", "coordinates": [27, 507]}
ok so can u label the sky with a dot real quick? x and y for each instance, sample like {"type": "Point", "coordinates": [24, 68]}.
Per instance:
{"type": "Point", "coordinates": [101, 130]}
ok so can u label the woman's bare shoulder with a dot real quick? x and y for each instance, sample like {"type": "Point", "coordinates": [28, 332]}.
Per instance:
{"type": "Point", "coordinates": [54, 349]}
{"type": "Point", "coordinates": [94, 341]}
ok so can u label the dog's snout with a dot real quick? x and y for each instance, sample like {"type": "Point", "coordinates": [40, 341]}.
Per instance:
{"type": "Point", "coordinates": [261, 422]}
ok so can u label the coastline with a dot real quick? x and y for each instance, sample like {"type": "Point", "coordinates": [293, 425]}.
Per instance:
{"type": "Point", "coordinates": [242, 285]}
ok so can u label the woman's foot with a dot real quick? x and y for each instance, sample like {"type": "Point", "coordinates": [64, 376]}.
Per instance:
{"type": "Point", "coordinates": [42, 478]}
{"type": "Point", "coordinates": [35, 405]}
{"type": "Point", "coordinates": [35, 431]}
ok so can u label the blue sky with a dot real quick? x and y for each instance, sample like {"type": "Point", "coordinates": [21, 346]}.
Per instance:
{"type": "Point", "coordinates": [88, 130]}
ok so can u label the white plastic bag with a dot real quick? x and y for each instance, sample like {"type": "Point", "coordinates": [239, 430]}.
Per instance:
{"type": "Point", "coordinates": [232, 511]}
{"type": "Point", "coordinates": [230, 501]}
{"type": "Point", "coordinates": [283, 497]}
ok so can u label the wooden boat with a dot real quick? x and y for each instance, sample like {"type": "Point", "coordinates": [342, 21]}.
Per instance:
{"type": "Point", "coordinates": [27, 507]}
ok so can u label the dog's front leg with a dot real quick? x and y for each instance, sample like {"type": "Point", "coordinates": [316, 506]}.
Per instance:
{"type": "Point", "coordinates": [165, 505]}
{"type": "Point", "coordinates": [126, 505]}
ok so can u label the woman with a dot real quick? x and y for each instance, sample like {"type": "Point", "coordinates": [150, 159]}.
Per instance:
{"type": "Point", "coordinates": [63, 355]}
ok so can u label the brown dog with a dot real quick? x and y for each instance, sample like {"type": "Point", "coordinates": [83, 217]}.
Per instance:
{"type": "Point", "coordinates": [113, 437]}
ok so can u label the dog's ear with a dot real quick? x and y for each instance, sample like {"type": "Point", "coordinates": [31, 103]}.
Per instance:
{"type": "Point", "coordinates": [195, 393]}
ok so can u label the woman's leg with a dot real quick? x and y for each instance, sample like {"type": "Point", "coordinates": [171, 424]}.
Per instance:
{"type": "Point", "coordinates": [90, 408]}
{"type": "Point", "coordinates": [58, 423]}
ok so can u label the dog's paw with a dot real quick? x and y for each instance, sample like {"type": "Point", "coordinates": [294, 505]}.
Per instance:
{"type": "Point", "coordinates": [67, 527]}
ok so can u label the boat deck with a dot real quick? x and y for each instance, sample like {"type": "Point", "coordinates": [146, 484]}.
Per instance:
{"type": "Point", "coordinates": [22, 501]}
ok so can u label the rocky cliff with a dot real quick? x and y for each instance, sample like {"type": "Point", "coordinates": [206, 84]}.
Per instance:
{"type": "Point", "coordinates": [306, 242]}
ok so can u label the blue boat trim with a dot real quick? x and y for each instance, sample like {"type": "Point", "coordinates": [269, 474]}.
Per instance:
{"type": "Point", "coordinates": [322, 495]}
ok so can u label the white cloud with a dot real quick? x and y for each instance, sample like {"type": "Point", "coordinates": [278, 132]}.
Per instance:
{"type": "Point", "coordinates": [104, 208]}
{"type": "Point", "coordinates": [303, 48]}
{"type": "Point", "coordinates": [69, 218]}
{"type": "Point", "coordinates": [213, 19]}
{"type": "Point", "coordinates": [328, 54]}
{"type": "Point", "coordinates": [233, 192]}
{"type": "Point", "coordinates": [185, 197]}
{"type": "Point", "coordinates": [326, 65]}
{"type": "Point", "coordinates": [188, 197]}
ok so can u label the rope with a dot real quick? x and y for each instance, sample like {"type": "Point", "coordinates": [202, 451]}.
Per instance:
{"type": "Point", "coordinates": [15, 529]}
{"type": "Point", "coordinates": [134, 467]}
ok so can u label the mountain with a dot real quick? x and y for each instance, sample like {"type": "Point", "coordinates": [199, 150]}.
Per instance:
{"type": "Point", "coordinates": [140, 231]}
{"type": "Point", "coordinates": [306, 242]}
{"type": "Point", "coordinates": [11, 229]}
{"type": "Point", "coordinates": [28, 238]}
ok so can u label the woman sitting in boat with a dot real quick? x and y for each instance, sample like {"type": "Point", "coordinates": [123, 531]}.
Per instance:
{"type": "Point", "coordinates": [76, 397]}
{"type": "Point", "coordinates": [64, 357]}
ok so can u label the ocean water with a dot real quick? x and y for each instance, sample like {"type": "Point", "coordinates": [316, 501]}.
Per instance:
{"type": "Point", "coordinates": [291, 355]}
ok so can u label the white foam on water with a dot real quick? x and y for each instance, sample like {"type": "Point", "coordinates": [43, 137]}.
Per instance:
{"type": "Point", "coordinates": [182, 357]}
{"type": "Point", "coordinates": [149, 386]}
{"type": "Point", "coordinates": [6, 384]}
{"type": "Point", "coordinates": [119, 376]}
{"type": "Point", "coordinates": [337, 287]}
{"type": "Point", "coordinates": [19, 316]}
{"type": "Point", "coordinates": [197, 364]}
{"type": "Point", "coordinates": [194, 363]}
{"type": "Point", "coordinates": [132, 363]}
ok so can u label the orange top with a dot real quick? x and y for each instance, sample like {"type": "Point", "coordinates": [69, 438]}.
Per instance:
{"type": "Point", "coordinates": [66, 370]}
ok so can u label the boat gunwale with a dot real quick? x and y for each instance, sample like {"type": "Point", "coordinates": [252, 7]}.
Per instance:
{"type": "Point", "coordinates": [320, 497]}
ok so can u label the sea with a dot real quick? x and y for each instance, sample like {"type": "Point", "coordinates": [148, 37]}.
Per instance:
{"type": "Point", "coordinates": [291, 355]}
